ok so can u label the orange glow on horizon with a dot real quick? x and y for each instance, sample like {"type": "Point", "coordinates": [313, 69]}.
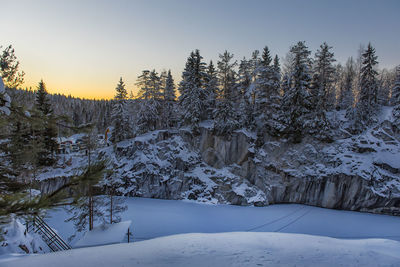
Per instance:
{"type": "Point", "coordinates": [92, 92]}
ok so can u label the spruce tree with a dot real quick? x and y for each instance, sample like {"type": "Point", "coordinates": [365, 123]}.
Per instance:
{"type": "Point", "coordinates": [346, 96]}
{"type": "Point", "coordinates": [296, 103]}
{"type": "Point", "coordinates": [324, 70]}
{"type": "Point", "coordinates": [169, 115]}
{"type": "Point", "coordinates": [42, 102]}
{"type": "Point", "coordinates": [322, 91]}
{"type": "Point", "coordinates": [211, 89]}
{"type": "Point", "coordinates": [46, 130]}
{"type": "Point", "coordinates": [121, 93]}
{"type": "Point", "coordinates": [150, 97]}
{"type": "Point", "coordinates": [368, 89]}
{"type": "Point", "coordinates": [247, 94]}
{"type": "Point", "coordinates": [192, 94]}
{"type": "Point", "coordinates": [263, 88]}
{"type": "Point", "coordinates": [226, 114]}
{"type": "Point", "coordinates": [122, 128]}
{"type": "Point", "coordinates": [273, 123]}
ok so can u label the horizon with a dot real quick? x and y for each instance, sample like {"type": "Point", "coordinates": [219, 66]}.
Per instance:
{"type": "Point", "coordinates": [82, 48]}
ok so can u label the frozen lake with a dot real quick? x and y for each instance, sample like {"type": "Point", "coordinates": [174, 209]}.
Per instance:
{"type": "Point", "coordinates": [153, 218]}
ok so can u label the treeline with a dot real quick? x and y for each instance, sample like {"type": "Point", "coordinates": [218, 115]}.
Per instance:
{"type": "Point", "coordinates": [80, 111]}
{"type": "Point", "coordinates": [289, 100]}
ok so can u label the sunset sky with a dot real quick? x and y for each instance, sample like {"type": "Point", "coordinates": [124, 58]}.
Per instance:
{"type": "Point", "coordinates": [82, 47]}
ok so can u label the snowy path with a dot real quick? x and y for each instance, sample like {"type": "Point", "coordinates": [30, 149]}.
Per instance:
{"type": "Point", "coordinates": [153, 218]}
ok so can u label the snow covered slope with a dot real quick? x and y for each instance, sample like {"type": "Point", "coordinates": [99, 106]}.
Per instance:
{"type": "Point", "coordinates": [227, 249]}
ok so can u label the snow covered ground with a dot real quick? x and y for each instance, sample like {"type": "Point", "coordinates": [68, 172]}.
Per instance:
{"type": "Point", "coordinates": [180, 233]}
{"type": "Point", "coordinates": [227, 249]}
{"type": "Point", "coordinates": [153, 218]}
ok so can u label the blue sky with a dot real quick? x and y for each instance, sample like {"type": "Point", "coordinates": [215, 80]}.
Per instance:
{"type": "Point", "coordinates": [82, 47]}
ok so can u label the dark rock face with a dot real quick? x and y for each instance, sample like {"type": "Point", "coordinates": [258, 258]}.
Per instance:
{"type": "Point", "coordinates": [336, 192]}
{"type": "Point", "coordinates": [50, 185]}
{"type": "Point", "coordinates": [280, 170]}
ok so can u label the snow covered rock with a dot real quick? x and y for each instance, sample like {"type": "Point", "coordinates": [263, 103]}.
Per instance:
{"type": "Point", "coordinates": [359, 172]}
{"type": "Point", "coordinates": [17, 240]}
{"type": "Point", "coordinates": [5, 100]}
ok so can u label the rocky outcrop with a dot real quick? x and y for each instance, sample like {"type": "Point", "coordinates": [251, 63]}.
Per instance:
{"type": "Point", "coordinates": [353, 173]}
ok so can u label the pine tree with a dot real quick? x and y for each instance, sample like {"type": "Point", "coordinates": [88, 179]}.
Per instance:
{"type": "Point", "coordinates": [211, 89]}
{"type": "Point", "coordinates": [42, 102]}
{"type": "Point", "coordinates": [169, 115]}
{"type": "Point", "coordinates": [274, 124]}
{"type": "Point", "coordinates": [346, 97]}
{"type": "Point", "coordinates": [121, 93]}
{"type": "Point", "coordinates": [114, 205]}
{"type": "Point", "coordinates": [9, 66]}
{"type": "Point", "coordinates": [85, 207]}
{"type": "Point", "coordinates": [368, 89]}
{"type": "Point", "coordinates": [150, 97]}
{"type": "Point", "coordinates": [323, 93]}
{"type": "Point", "coordinates": [122, 128]}
{"type": "Point", "coordinates": [296, 103]}
{"type": "Point", "coordinates": [46, 132]}
{"type": "Point", "coordinates": [385, 83]}
{"type": "Point", "coordinates": [192, 93]}
{"type": "Point", "coordinates": [246, 94]}
{"type": "Point", "coordinates": [226, 114]}
{"type": "Point", "coordinates": [263, 88]}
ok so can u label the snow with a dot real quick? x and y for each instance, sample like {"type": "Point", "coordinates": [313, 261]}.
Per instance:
{"type": "Point", "coordinates": [207, 124]}
{"type": "Point", "coordinates": [4, 109]}
{"type": "Point", "coordinates": [386, 113]}
{"type": "Point", "coordinates": [392, 159]}
{"type": "Point", "coordinates": [108, 234]}
{"type": "Point", "coordinates": [228, 249]}
{"type": "Point", "coordinates": [288, 233]}
{"type": "Point", "coordinates": [153, 218]}
{"type": "Point", "coordinates": [15, 237]}
{"type": "Point", "coordinates": [249, 134]}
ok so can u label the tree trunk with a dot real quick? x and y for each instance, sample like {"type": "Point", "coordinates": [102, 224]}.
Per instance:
{"type": "Point", "coordinates": [111, 208]}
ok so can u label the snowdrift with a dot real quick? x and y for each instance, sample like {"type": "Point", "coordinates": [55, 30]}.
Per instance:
{"type": "Point", "coordinates": [227, 249]}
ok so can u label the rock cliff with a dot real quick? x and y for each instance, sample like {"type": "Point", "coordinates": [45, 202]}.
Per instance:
{"type": "Point", "coordinates": [354, 172]}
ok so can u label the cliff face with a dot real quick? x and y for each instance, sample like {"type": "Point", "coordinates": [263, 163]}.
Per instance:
{"type": "Point", "coordinates": [353, 173]}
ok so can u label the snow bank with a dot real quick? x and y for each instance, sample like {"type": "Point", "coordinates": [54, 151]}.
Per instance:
{"type": "Point", "coordinates": [228, 249]}
{"type": "Point", "coordinates": [17, 240]}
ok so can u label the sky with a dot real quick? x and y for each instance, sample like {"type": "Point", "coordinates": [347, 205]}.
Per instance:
{"type": "Point", "coordinates": [83, 47]}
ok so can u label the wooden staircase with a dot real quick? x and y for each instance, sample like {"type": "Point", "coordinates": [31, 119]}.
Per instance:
{"type": "Point", "coordinates": [49, 236]}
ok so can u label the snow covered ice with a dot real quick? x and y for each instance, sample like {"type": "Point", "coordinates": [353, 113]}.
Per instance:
{"type": "Point", "coordinates": [188, 233]}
